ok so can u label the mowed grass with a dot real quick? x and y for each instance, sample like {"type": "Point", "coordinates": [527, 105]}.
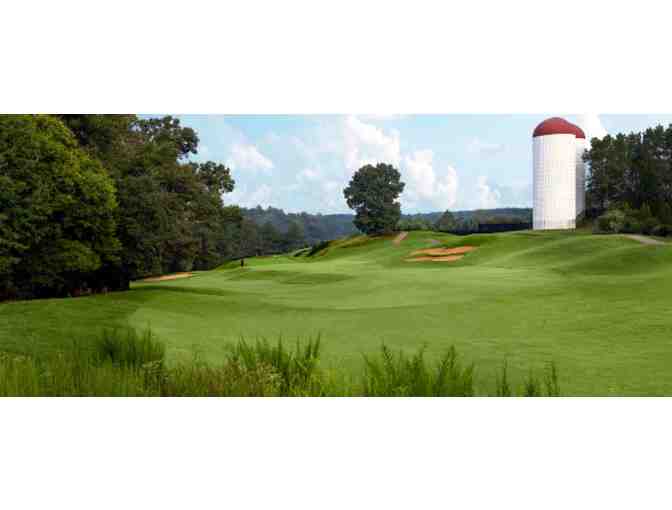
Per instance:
{"type": "Point", "coordinates": [600, 307]}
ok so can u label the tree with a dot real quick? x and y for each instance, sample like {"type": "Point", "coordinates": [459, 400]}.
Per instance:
{"type": "Point", "coordinates": [414, 223]}
{"type": "Point", "coordinates": [446, 222]}
{"type": "Point", "coordinates": [631, 170]}
{"type": "Point", "coordinates": [250, 243]}
{"type": "Point", "coordinates": [294, 238]}
{"type": "Point", "coordinates": [57, 209]}
{"type": "Point", "coordinates": [372, 193]}
{"type": "Point", "coordinates": [270, 238]}
{"type": "Point", "coordinates": [171, 213]}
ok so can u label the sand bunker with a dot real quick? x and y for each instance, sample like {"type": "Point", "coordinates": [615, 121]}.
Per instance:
{"type": "Point", "coordinates": [440, 254]}
{"type": "Point", "coordinates": [174, 276]}
{"type": "Point", "coordinates": [460, 250]}
{"type": "Point", "coordinates": [449, 258]}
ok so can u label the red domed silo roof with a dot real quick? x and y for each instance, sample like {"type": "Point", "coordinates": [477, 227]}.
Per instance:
{"type": "Point", "coordinates": [579, 132]}
{"type": "Point", "coordinates": [557, 126]}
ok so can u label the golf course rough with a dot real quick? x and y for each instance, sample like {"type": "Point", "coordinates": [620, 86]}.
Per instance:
{"type": "Point", "coordinates": [597, 306]}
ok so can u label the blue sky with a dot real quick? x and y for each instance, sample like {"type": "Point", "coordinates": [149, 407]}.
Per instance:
{"type": "Point", "coordinates": [303, 162]}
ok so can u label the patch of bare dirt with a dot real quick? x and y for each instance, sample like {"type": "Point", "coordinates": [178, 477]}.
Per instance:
{"type": "Point", "coordinates": [165, 277]}
{"type": "Point", "coordinates": [460, 250]}
{"type": "Point", "coordinates": [400, 237]}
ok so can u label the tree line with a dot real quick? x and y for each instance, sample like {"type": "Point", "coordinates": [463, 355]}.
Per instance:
{"type": "Point", "coordinates": [629, 182]}
{"type": "Point", "coordinates": [90, 202]}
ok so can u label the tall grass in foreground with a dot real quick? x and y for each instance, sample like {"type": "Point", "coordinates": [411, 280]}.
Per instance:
{"type": "Point", "coordinates": [128, 348]}
{"type": "Point", "coordinates": [399, 375]}
{"type": "Point", "coordinates": [125, 363]}
{"type": "Point", "coordinates": [548, 386]}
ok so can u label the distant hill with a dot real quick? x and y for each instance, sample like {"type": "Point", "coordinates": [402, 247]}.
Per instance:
{"type": "Point", "coordinates": [322, 227]}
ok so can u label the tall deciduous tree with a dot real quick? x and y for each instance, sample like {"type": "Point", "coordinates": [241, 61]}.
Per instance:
{"type": "Point", "coordinates": [633, 170]}
{"type": "Point", "coordinates": [372, 193]}
{"type": "Point", "coordinates": [57, 207]}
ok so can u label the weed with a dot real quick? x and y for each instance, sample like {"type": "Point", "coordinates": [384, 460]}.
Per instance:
{"type": "Point", "coordinates": [401, 375]}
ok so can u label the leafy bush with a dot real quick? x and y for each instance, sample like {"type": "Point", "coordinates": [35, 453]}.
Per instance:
{"type": "Point", "coordinates": [630, 221]}
{"type": "Point", "coordinates": [649, 225]}
{"type": "Point", "coordinates": [612, 221]}
{"type": "Point", "coordinates": [662, 230]}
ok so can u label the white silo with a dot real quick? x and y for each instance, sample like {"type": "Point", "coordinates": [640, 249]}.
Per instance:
{"type": "Point", "coordinates": [581, 146]}
{"type": "Point", "coordinates": [554, 175]}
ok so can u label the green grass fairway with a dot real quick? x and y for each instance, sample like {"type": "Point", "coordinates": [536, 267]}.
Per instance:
{"type": "Point", "coordinates": [599, 306]}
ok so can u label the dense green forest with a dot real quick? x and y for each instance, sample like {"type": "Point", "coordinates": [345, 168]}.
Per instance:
{"type": "Point", "coordinates": [90, 202]}
{"type": "Point", "coordinates": [629, 185]}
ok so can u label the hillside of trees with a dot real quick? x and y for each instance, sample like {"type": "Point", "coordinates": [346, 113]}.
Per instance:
{"type": "Point", "coordinates": [323, 227]}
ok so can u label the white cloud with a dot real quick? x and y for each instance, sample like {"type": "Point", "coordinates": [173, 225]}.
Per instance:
{"type": "Point", "coordinates": [424, 186]}
{"type": "Point", "coordinates": [488, 197]}
{"type": "Point", "coordinates": [247, 157]}
{"type": "Point", "coordinates": [262, 195]}
{"type": "Point", "coordinates": [367, 144]}
{"type": "Point", "coordinates": [477, 146]}
{"type": "Point", "coordinates": [308, 174]}
{"type": "Point", "coordinates": [592, 126]}
{"type": "Point", "coordinates": [382, 116]}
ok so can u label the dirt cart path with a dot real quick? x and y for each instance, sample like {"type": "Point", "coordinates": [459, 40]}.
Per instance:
{"type": "Point", "coordinates": [645, 239]}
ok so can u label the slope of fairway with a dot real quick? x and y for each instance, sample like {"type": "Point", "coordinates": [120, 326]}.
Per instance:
{"type": "Point", "coordinates": [598, 306]}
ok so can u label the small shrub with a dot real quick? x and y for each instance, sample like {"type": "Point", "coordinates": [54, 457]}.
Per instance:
{"type": "Point", "coordinates": [631, 225]}
{"type": "Point", "coordinates": [611, 222]}
{"type": "Point", "coordinates": [663, 230]}
{"type": "Point", "coordinates": [649, 225]}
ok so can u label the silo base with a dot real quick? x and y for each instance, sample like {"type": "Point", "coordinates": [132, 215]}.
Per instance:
{"type": "Point", "coordinates": [554, 225]}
